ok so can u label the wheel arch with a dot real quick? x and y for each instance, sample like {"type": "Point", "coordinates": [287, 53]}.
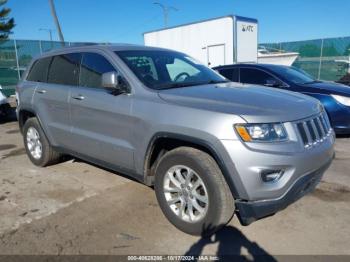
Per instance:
{"type": "Point", "coordinates": [23, 116]}
{"type": "Point", "coordinates": [164, 141]}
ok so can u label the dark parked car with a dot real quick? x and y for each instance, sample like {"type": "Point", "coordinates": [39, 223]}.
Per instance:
{"type": "Point", "coordinates": [335, 97]}
{"type": "Point", "coordinates": [4, 104]}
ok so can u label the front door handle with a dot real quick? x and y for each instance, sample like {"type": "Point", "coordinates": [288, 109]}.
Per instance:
{"type": "Point", "coordinates": [41, 91]}
{"type": "Point", "coordinates": [78, 97]}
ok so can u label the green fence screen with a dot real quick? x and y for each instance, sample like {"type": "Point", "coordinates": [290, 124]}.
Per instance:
{"type": "Point", "coordinates": [325, 59]}
{"type": "Point", "coordinates": [15, 55]}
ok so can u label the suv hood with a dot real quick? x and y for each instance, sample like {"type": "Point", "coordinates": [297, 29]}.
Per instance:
{"type": "Point", "coordinates": [253, 103]}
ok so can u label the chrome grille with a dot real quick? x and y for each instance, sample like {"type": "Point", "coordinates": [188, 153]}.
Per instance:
{"type": "Point", "coordinates": [314, 130]}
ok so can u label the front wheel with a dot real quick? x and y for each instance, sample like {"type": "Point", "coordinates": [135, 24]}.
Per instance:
{"type": "Point", "coordinates": [192, 191]}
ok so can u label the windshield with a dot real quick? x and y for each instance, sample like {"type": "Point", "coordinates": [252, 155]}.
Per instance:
{"type": "Point", "coordinates": [167, 69]}
{"type": "Point", "coordinates": [294, 75]}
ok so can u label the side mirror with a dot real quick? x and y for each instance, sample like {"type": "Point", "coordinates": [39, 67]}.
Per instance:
{"type": "Point", "coordinates": [110, 80]}
{"type": "Point", "coordinates": [273, 83]}
{"type": "Point", "coordinates": [115, 81]}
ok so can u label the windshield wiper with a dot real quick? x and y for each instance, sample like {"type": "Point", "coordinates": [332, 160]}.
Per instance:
{"type": "Point", "coordinates": [176, 85]}
{"type": "Point", "coordinates": [217, 82]}
{"type": "Point", "coordinates": [186, 84]}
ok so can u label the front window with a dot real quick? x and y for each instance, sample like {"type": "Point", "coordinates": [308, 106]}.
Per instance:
{"type": "Point", "coordinates": [295, 75]}
{"type": "Point", "coordinates": [166, 69]}
{"type": "Point", "coordinates": [255, 76]}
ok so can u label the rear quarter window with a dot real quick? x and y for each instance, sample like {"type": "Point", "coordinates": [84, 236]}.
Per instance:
{"type": "Point", "coordinates": [39, 70]}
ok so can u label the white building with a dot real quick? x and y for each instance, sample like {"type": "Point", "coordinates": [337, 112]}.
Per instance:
{"type": "Point", "coordinates": [218, 41]}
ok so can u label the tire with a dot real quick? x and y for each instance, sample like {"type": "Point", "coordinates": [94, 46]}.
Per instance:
{"type": "Point", "coordinates": [48, 155]}
{"type": "Point", "coordinates": [4, 110]}
{"type": "Point", "coordinates": [219, 208]}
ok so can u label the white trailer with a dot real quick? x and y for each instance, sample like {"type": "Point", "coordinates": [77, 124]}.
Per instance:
{"type": "Point", "coordinates": [218, 41]}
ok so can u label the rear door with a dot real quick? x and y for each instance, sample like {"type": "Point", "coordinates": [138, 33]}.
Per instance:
{"type": "Point", "coordinates": [51, 97]}
{"type": "Point", "coordinates": [37, 74]}
{"type": "Point", "coordinates": [101, 121]}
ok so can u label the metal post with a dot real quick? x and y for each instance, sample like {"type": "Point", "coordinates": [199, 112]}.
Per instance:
{"type": "Point", "coordinates": [40, 47]}
{"type": "Point", "coordinates": [49, 30]}
{"type": "Point", "coordinates": [55, 18]}
{"type": "Point", "coordinates": [320, 65]}
{"type": "Point", "coordinates": [17, 62]}
{"type": "Point", "coordinates": [349, 63]}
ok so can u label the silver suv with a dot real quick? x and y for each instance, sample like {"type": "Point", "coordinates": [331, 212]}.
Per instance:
{"type": "Point", "coordinates": [210, 147]}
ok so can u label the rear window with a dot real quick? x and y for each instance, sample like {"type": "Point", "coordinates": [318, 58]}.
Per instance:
{"type": "Point", "coordinates": [38, 72]}
{"type": "Point", "coordinates": [64, 69]}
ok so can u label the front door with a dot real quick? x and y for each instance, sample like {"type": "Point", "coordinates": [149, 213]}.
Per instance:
{"type": "Point", "coordinates": [101, 121]}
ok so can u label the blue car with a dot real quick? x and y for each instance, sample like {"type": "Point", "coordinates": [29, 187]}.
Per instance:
{"type": "Point", "coordinates": [335, 97]}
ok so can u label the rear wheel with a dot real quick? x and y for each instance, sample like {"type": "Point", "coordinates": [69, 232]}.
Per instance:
{"type": "Point", "coordinates": [192, 191]}
{"type": "Point", "coordinates": [37, 146]}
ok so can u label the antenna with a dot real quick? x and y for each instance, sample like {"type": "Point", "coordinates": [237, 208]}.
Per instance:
{"type": "Point", "coordinates": [166, 10]}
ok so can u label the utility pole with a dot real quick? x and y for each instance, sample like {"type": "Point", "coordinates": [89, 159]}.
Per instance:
{"type": "Point", "coordinates": [54, 15]}
{"type": "Point", "coordinates": [166, 10]}
{"type": "Point", "coordinates": [320, 64]}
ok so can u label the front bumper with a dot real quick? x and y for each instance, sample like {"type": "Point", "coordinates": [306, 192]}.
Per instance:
{"type": "Point", "coordinates": [248, 161]}
{"type": "Point", "coordinates": [250, 211]}
{"type": "Point", "coordinates": [339, 116]}
{"type": "Point", "coordinates": [342, 130]}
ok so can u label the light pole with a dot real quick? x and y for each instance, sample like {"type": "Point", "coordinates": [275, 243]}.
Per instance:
{"type": "Point", "coordinates": [47, 30]}
{"type": "Point", "coordinates": [55, 18]}
{"type": "Point", "coordinates": [166, 10]}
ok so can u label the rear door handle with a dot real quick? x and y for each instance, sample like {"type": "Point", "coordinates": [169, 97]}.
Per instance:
{"type": "Point", "coordinates": [41, 91]}
{"type": "Point", "coordinates": [78, 97]}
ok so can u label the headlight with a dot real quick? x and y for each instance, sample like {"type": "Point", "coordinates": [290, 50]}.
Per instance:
{"type": "Point", "coordinates": [262, 132]}
{"type": "Point", "coordinates": [342, 99]}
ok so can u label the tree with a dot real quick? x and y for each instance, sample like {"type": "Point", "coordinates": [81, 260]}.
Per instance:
{"type": "Point", "coordinates": [6, 23]}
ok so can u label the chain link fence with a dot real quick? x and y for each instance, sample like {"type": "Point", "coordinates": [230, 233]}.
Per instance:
{"type": "Point", "coordinates": [325, 59]}
{"type": "Point", "coordinates": [15, 55]}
